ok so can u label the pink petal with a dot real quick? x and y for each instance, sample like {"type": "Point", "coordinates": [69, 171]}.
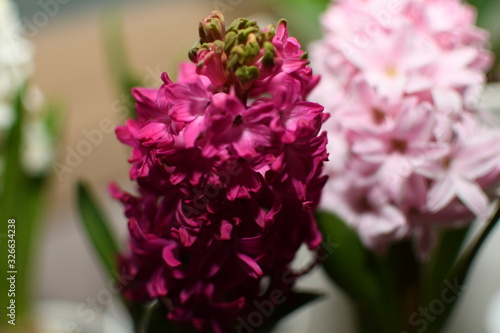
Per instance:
{"type": "Point", "coordinates": [225, 230]}
{"type": "Point", "coordinates": [441, 193]}
{"type": "Point", "coordinates": [472, 196]}
{"type": "Point", "coordinates": [251, 266]}
{"type": "Point", "coordinates": [169, 257]}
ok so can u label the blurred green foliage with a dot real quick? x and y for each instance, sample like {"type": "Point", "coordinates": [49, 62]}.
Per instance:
{"type": "Point", "coordinates": [386, 289]}
{"type": "Point", "coordinates": [22, 199]}
{"type": "Point", "coordinates": [303, 17]}
{"type": "Point", "coordinates": [488, 12]}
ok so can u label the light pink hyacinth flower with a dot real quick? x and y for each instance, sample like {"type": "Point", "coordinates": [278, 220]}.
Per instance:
{"type": "Point", "coordinates": [401, 80]}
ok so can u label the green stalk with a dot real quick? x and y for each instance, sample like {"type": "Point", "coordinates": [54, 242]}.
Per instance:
{"type": "Point", "coordinates": [487, 18]}
{"type": "Point", "coordinates": [445, 255]}
{"type": "Point", "coordinates": [100, 234]}
{"type": "Point", "coordinates": [461, 269]}
{"type": "Point", "coordinates": [365, 278]}
{"type": "Point", "coordinates": [116, 55]}
{"type": "Point", "coordinates": [20, 199]}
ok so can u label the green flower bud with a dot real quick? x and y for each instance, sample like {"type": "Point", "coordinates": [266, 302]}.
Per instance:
{"type": "Point", "coordinates": [246, 75]}
{"type": "Point", "coordinates": [269, 53]}
{"type": "Point", "coordinates": [236, 57]}
{"type": "Point", "coordinates": [230, 41]}
{"type": "Point", "coordinates": [252, 51]}
{"type": "Point", "coordinates": [193, 53]}
{"type": "Point", "coordinates": [271, 32]}
{"type": "Point", "coordinates": [241, 24]}
{"type": "Point", "coordinates": [212, 27]}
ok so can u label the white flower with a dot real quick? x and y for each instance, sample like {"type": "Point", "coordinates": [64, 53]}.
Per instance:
{"type": "Point", "coordinates": [38, 151]}
{"type": "Point", "coordinates": [6, 116]}
{"type": "Point", "coordinates": [15, 53]}
{"type": "Point", "coordinates": [16, 67]}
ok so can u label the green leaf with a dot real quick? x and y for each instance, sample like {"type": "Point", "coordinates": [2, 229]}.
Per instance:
{"type": "Point", "coordinates": [356, 270]}
{"type": "Point", "coordinates": [116, 54]}
{"type": "Point", "coordinates": [351, 265]}
{"type": "Point", "coordinates": [53, 119]}
{"type": "Point", "coordinates": [461, 269]}
{"type": "Point", "coordinates": [487, 18]}
{"type": "Point", "coordinates": [13, 176]}
{"type": "Point", "coordinates": [20, 198]}
{"type": "Point", "coordinates": [97, 229]}
{"type": "Point", "coordinates": [442, 260]}
{"type": "Point", "coordinates": [294, 301]}
{"type": "Point", "coordinates": [303, 17]}
{"type": "Point", "coordinates": [155, 320]}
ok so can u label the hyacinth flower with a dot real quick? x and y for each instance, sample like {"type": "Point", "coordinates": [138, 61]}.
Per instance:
{"type": "Point", "coordinates": [27, 148]}
{"type": "Point", "coordinates": [415, 163]}
{"type": "Point", "coordinates": [229, 166]}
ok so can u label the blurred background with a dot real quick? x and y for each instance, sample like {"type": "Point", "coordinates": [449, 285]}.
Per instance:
{"type": "Point", "coordinates": [72, 67]}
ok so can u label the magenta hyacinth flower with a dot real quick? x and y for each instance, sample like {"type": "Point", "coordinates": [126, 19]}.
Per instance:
{"type": "Point", "coordinates": [229, 166]}
{"type": "Point", "coordinates": [401, 80]}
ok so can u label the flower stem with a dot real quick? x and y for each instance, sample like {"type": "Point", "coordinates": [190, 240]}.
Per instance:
{"type": "Point", "coordinates": [407, 273]}
{"type": "Point", "coordinates": [460, 270]}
